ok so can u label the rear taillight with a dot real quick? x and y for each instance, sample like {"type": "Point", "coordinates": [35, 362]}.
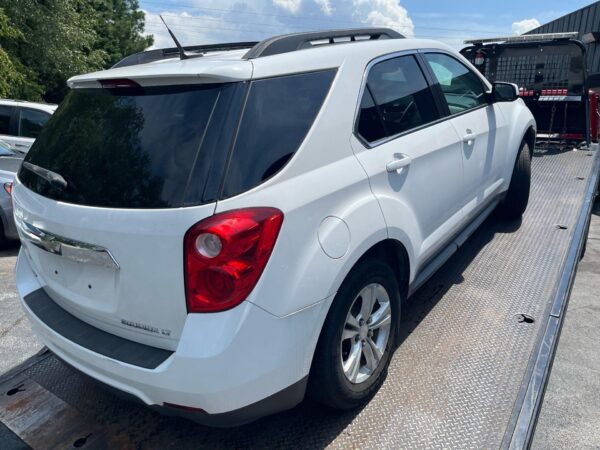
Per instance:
{"type": "Point", "coordinates": [225, 256]}
{"type": "Point", "coordinates": [8, 188]}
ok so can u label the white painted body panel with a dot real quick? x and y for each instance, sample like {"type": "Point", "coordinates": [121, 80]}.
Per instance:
{"type": "Point", "coordinates": [338, 201]}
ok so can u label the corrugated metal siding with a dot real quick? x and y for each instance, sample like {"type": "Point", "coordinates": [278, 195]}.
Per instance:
{"type": "Point", "coordinates": [583, 21]}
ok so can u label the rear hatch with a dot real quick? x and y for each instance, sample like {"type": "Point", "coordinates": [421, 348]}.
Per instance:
{"type": "Point", "coordinates": [108, 191]}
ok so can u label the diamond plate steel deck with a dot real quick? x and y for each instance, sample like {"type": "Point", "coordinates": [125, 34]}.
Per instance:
{"type": "Point", "coordinates": [453, 382]}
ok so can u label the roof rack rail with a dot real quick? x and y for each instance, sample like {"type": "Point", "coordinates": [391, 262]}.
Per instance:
{"type": "Point", "coordinates": [173, 52]}
{"type": "Point", "coordinates": [524, 38]}
{"type": "Point", "coordinates": [298, 41]}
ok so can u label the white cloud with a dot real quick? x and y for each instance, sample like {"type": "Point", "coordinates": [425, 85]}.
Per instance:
{"type": "Point", "coordinates": [385, 13]}
{"type": "Point", "coordinates": [289, 5]}
{"type": "Point", "coordinates": [525, 25]}
{"type": "Point", "coordinates": [325, 6]}
{"type": "Point", "coordinates": [212, 21]}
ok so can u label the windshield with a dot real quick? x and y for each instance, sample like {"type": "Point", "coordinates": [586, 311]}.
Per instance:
{"type": "Point", "coordinates": [131, 148]}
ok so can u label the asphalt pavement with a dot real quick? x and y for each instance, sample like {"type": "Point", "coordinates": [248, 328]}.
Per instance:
{"type": "Point", "coordinates": [570, 415]}
{"type": "Point", "coordinates": [17, 342]}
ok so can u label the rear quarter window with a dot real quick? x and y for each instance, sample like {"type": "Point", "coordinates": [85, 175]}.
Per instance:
{"type": "Point", "coordinates": [278, 114]}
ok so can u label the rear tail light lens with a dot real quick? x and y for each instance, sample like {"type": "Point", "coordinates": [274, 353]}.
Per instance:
{"type": "Point", "coordinates": [8, 188]}
{"type": "Point", "coordinates": [225, 256]}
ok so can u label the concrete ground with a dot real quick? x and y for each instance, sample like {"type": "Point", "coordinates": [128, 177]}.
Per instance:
{"type": "Point", "coordinates": [570, 415]}
{"type": "Point", "coordinates": [17, 342]}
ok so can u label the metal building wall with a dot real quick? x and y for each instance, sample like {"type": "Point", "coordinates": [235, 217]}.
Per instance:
{"type": "Point", "coordinates": [583, 21]}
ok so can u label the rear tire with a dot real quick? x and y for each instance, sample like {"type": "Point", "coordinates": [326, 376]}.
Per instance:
{"type": "Point", "coordinates": [334, 379]}
{"type": "Point", "coordinates": [517, 197]}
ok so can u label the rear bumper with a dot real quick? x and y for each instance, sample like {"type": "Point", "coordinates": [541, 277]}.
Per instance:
{"type": "Point", "coordinates": [236, 366]}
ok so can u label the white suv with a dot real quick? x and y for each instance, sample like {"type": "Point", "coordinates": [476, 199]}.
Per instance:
{"type": "Point", "coordinates": [222, 233]}
{"type": "Point", "coordinates": [21, 122]}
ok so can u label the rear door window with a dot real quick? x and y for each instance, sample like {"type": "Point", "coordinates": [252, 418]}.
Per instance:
{"type": "Point", "coordinates": [396, 99]}
{"type": "Point", "coordinates": [5, 115]}
{"type": "Point", "coordinates": [462, 88]}
{"type": "Point", "coordinates": [278, 114]}
{"type": "Point", "coordinates": [31, 122]}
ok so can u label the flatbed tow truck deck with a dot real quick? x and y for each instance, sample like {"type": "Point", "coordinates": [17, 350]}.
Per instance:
{"type": "Point", "coordinates": [478, 343]}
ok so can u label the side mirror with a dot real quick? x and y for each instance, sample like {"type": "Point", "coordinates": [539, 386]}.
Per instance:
{"type": "Point", "coordinates": [504, 92]}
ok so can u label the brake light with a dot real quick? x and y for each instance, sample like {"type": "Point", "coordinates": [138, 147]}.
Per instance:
{"type": "Point", "coordinates": [119, 83]}
{"type": "Point", "coordinates": [225, 256]}
{"type": "Point", "coordinates": [8, 188]}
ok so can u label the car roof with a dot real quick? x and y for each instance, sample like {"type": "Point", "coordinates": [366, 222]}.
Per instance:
{"type": "Point", "coordinates": [47, 107]}
{"type": "Point", "coordinates": [225, 66]}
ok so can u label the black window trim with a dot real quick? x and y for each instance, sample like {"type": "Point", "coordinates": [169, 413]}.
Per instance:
{"type": "Point", "coordinates": [17, 118]}
{"type": "Point", "coordinates": [440, 102]}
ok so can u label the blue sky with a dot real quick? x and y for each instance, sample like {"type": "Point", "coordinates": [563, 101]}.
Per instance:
{"type": "Point", "coordinates": [210, 21]}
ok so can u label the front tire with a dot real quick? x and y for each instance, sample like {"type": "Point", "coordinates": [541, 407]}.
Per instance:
{"type": "Point", "coordinates": [517, 197]}
{"type": "Point", "coordinates": [357, 339]}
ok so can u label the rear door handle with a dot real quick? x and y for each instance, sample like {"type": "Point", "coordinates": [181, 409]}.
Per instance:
{"type": "Point", "coordinates": [469, 137]}
{"type": "Point", "coordinates": [398, 163]}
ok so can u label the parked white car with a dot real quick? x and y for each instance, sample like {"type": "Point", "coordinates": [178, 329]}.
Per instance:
{"type": "Point", "coordinates": [219, 235]}
{"type": "Point", "coordinates": [21, 122]}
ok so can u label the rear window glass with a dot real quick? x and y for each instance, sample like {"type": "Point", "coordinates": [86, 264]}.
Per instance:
{"type": "Point", "coordinates": [129, 149]}
{"type": "Point", "coordinates": [278, 114]}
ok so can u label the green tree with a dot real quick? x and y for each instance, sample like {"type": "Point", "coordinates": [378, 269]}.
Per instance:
{"type": "Point", "coordinates": [58, 42]}
{"type": "Point", "coordinates": [11, 79]}
{"type": "Point", "coordinates": [119, 27]}
{"type": "Point", "coordinates": [49, 41]}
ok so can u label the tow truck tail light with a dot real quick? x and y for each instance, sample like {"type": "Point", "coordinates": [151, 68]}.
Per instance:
{"type": "Point", "coordinates": [225, 256]}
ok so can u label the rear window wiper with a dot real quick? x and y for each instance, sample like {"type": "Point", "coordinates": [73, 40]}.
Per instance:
{"type": "Point", "coordinates": [55, 179]}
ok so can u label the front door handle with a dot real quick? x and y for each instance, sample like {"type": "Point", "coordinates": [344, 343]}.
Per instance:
{"type": "Point", "coordinates": [398, 163]}
{"type": "Point", "coordinates": [469, 137]}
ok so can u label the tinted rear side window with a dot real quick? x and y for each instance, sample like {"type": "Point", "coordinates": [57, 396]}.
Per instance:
{"type": "Point", "coordinates": [403, 98]}
{"type": "Point", "coordinates": [132, 149]}
{"type": "Point", "coordinates": [5, 114]}
{"type": "Point", "coordinates": [278, 114]}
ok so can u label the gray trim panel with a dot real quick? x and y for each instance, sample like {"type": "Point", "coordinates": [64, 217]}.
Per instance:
{"type": "Point", "coordinates": [94, 339]}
